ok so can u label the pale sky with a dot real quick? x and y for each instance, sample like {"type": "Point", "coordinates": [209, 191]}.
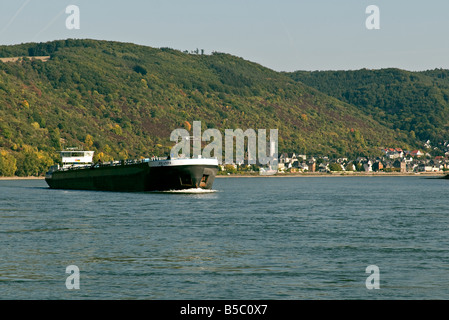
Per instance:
{"type": "Point", "coordinates": [284, 35]}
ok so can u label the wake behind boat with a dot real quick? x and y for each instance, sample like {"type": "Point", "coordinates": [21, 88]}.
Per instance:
{"type": "Point", "coordinates": [152, 174]}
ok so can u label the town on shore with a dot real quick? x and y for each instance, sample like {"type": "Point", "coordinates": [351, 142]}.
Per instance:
{"type": "Point", "coordinates": [393, 160]}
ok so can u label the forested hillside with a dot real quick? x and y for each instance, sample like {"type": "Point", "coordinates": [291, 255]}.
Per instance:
{"type": "Point", "coordinates": [415, 102]}
{"type": "Point", "coordinates": [123, 100]}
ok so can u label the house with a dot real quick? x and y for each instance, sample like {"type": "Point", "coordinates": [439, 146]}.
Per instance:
{"type": "Point", "coordinates": [425, 167]}
{"type": "Point", "coordinates": [323, 167]}
{"type": "Point", "coordinates": [403, 166]}
{"type": "Point", "coordinates": [393, 153]}
{"type": "Point", "coordinates": [282, 158]}
{"type": "Point", "coordinates": [287, 158]}
{"type": "Point", "coordinates": [388, 165]}
{"type": "Point", "coordinates": [312, 165]}
{"type": "Point", "coordinates": [408, 159]}
{"type": "Point", "coordinates": [377, 166]}
{"type": "Point", "coordinates": [368, 167]}
{"type": "Point", "coordinates": [416, 153]}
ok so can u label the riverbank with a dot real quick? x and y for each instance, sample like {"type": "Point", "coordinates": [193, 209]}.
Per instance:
{"type": "Point", "coordinates": [305, 174]}
{"type": "Point", "coordinates": [22, 178]}
{"type": "Point", "coordinates": [338, 174]}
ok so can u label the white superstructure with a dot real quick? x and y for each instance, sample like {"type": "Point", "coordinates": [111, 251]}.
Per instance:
{"type": "Point", "coordinates": [76, 157]}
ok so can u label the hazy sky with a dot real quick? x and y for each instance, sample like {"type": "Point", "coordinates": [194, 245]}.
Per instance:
{"type": "Point", "coordinates": [284, 35]}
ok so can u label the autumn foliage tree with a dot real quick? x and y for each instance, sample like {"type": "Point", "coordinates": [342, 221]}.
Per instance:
{"type": "Point", "coordinates": [7, 164]}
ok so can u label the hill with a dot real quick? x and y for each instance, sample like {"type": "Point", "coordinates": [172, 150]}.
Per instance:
{"type": "Point", "coordinates": [123, 101]}
{"type": "Point", "coordinates": [414, 102]}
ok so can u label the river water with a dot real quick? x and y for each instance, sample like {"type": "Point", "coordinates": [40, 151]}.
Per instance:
{"type": "Point", "coordinates": [252, 238]}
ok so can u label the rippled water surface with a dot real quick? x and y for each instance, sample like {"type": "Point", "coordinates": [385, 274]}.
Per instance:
{"type": "Point", "coordinates": [252, 238]}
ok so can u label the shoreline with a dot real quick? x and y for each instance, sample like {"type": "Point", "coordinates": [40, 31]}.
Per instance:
{"type": "Point", "coordinates": [305, 174]}
{"type": "Point", "coordinates": [337, 174]}
{"type": "Point", "coordinates": [22, 178]}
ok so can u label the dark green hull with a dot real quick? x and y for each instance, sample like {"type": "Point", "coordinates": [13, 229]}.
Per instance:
{"type": "Point", "coordinates": [134, 177]}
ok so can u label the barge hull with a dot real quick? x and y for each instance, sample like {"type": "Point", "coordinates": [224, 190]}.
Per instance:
{"type": "Point", "coordinates": [134, 178]}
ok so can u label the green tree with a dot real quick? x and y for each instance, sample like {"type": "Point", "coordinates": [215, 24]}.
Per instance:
{"type": "Point", "coordinates": [335, 167]}
{"type": "Point", "coordinates": [31, 162]}
{"type": "Point", "coordinates": [89, 141]}
{"type": "Point", "coordinates": [349, 167]}
{"type": "Point", "coordinates": [230, 169]}
{"type": "Point", "coordinates": [55, 139]}
{"type": "Point", "coordinates": [7, 164]}
{"type": "Point", "coordinates": [27, 164]}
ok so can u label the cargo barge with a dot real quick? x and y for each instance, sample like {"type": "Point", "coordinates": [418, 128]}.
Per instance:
{"type": "Point", "coordinates": [152, 174]}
